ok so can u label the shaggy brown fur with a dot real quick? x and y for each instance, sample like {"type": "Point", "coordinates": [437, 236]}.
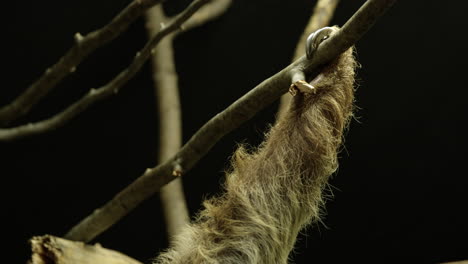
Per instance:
{"type": "Point", "coordinates": [275, 191]}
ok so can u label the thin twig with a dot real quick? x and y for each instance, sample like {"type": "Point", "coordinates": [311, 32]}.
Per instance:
{"type": "Point", "coordinates": [83, 46]}
{"type": "Point", "coordinates": [208, 13]}
{"type": "Point", "coordinates": [240, 111]}
{"type": "Point", "coordinates": [321, 16]}
{"type": "Point", "coordinates": [110, 88]}
{"type": "Point", "coordinates": [166, 92]}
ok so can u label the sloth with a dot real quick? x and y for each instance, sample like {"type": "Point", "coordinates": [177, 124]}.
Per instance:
{"type": "Point", "coordinates": [274, 191]}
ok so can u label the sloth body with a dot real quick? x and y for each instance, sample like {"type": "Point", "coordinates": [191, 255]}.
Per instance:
{"type": "Point", "coordinates": [271, 193]}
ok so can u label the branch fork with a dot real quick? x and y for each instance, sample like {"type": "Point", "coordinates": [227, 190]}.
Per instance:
{"type": "Point", "coordinates": [106, 90]}
{"type": "Point", "coordinates": [83, 46]}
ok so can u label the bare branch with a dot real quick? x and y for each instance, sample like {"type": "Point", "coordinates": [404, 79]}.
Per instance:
{"type": "Point", "coordinates": [209, 12]}
{"type": "Point", "coordinates": [83, 46]}
{"type": "Point", "coordinates": [166, 92]}
{"type": "Point", "coordinates": [240, 111]}
{"type": "Point", "coordinates": [321, 16]}
{"type": "Point", "coordinates": [110, 88]}
{"type": "Point", "coordinates": [55, 250]}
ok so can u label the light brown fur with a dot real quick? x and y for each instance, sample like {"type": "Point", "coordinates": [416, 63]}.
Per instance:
{"type": "Point", "coordinates": [276, 190]}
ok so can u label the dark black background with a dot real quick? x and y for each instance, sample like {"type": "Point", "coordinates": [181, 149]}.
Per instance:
{"type": "Point", "coordinates": [399, 195]}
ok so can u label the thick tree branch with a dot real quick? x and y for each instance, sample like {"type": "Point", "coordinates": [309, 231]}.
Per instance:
{"type": "Point", "coordinates": [321, 16]}
{"type": "Point", "coordinates": [83, 46]}
{"type": "Point", "coordinates": [243, 109]}
{"type": "Point", "coordinates": [110, 88]}
{"type": "Point", "coordinates": [54, 250]}
{"type": "Point", "coordinates": [166, 92]}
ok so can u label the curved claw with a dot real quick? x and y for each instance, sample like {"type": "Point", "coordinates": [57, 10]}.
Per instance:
{"type": "Point", "coordinates": [314, 40]}
{"type": "Point", "coordinates": [302, 87]}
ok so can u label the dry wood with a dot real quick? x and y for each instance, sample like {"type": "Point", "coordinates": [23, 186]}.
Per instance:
{"type": "Point", "coordinates": [207, 13]}
{"type": "Point", "coordinates": [83, 46]}
{"type": "Point", "coordinates": [166, 93]}
{"type": "Point", "coordinates": [167, 100]}
{"type": "Point", "coordinates": [54, 250]}
{"type": "Point", "coordinates": [112, 87]}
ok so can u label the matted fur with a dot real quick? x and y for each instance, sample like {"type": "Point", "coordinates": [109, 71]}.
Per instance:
{"type": "Point", "coordinates": [276, 190]}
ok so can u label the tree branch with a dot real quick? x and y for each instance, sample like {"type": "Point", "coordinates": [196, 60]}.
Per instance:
{"type": "Point", "coordinates": [83, 46]}
{"type": "Point", "coordinates": [166, 92]}
{"type": "Point", "coordinates": [110, 88]}
{"type": "Point", "coordinates": [209, 12]}
{"type": "Point", "coordinates": [321, 16]}
{"type": "Point", "coordinates": [54, 250]}
{"type": "Point", "coordinates": [240, 111]}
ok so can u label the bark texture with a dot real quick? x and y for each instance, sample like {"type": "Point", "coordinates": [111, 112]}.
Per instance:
{"type": "Point", "coordinates": [54, 250]}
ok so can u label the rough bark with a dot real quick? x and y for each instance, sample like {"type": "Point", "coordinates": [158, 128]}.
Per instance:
{"type": "Point", "coordinates": [54, 250]}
